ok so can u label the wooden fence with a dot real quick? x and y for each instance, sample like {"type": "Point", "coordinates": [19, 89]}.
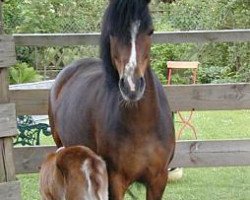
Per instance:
{"type": "Point", "coordinates": [9, 187]}
{"type": "Point", "coordinates": [33, 99]}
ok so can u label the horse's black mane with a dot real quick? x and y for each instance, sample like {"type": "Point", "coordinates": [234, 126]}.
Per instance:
{"type": "Point", "coordinates": [117, 22]}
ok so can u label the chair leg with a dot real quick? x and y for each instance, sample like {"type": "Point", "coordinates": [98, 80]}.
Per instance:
{"type": "Point", "coordinates": [186, 123]}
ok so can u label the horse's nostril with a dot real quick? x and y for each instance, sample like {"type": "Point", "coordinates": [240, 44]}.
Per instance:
{"type": "Point", "coordinates": [123, 85]}
{"type": "Point", "coordinates": [122, 81]}
{"type": "Point", "coordinates": [141, 82]}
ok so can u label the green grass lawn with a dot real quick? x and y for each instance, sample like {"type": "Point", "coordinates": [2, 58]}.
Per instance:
{"type": "Point", "coordinates": [197, 184]}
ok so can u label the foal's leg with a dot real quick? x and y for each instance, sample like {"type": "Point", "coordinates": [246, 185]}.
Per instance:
{"type": "Point", "coordinates": [117, 186]}
{"type": "Point", "coordinates": [156, 185]}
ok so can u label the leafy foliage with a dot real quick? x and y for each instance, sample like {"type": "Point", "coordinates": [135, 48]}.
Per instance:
{"type": "Point", "coordinates": [225, 62]}
{"type": "Point", "coordinates": [51, 16]}
{"type": "Point", "coordinates": [23, 73]}
{"type": "Point", "coordinates": [220, 62]}
{"type": "Point", "coordinates": [171, 52]}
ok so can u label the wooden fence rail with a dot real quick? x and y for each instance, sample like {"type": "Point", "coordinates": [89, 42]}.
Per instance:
{"type": "Point", "coordinates": [33, 98]}
{"type": "Point", "coordinates": [30, 100]}
{"type": "Point", "coordinates": [215, 153]}
{"type": "Point", "coordinates": [68, 39]}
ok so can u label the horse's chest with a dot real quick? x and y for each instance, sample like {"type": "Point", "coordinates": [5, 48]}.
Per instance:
{"type": "Point", "coordinates": [135, 155]}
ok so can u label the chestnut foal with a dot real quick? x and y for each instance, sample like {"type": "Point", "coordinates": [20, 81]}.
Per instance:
{"type": "Point", "coordinates": [73, 173]}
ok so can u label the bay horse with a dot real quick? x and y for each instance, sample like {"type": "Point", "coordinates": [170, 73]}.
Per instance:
{"type": "Point", "coordinates": [116, 106]}
{"type": "Point", "coordinates": [73, 173]}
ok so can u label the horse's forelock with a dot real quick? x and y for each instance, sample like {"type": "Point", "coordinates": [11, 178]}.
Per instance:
{"type": "Point", "coordinates": [122, 14]}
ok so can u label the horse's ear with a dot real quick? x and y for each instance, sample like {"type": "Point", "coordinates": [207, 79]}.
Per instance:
{"type": "Point", "coordinates": [148, 1]}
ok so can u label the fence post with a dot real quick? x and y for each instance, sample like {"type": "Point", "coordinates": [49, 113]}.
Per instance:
{"type": "Point", "coordinates": [9, 187]}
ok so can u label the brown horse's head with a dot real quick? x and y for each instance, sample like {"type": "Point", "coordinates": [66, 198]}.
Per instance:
{"type": "Point", "coordinates": [128, 30]}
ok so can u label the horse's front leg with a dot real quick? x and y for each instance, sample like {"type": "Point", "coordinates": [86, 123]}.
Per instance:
{"type": "Point", "coordinates": [117, 186]}
{"type": "Point", "coordinates": [156, 185]}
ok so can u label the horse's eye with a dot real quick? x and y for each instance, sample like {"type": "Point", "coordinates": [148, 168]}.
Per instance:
{"type": "Point", "coordinates": [151, 32]}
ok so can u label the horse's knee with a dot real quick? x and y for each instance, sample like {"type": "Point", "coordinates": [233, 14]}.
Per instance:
{"type": "Point", "coordinates": [117, 186]}
{"type": "Point", "coordinates": [156, 186]}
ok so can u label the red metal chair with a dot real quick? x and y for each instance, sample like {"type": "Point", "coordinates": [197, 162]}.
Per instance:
{"type": "Point", "coordinates": [185, 121]}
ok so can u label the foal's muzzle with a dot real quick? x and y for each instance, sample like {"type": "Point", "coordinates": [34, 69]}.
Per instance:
{"type": "Point", "coordinates": [132, 88]}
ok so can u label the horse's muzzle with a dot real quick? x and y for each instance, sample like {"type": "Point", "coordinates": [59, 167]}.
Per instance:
{"type": "Point", "coordinates": [132, 88]}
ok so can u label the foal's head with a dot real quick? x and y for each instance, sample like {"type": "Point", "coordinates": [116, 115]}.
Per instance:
{"type": "Point", "coordinates": [126, 41]}
{"type": "Point", "coordinates": [74, 173]}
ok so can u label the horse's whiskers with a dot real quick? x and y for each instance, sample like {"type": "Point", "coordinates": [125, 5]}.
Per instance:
{"type": "Point", "coordinates": [127, 104]}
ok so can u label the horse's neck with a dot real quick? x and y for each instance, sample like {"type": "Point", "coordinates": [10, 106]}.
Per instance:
{"type": "Point", "coordinates": [151, 98]}
{"type": "Point", "coordinates": [147, 108]}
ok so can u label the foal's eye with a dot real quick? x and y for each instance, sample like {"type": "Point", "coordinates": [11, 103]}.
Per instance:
{"type": "Point", "coordinates": [151, 32]}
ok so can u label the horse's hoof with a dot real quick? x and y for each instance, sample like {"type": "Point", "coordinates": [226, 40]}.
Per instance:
{"type": "Point", "coordinates": [175, 174]}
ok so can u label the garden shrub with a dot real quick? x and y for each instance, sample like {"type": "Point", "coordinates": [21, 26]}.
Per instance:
{"type": "Point", "coordinates": [23, 73]}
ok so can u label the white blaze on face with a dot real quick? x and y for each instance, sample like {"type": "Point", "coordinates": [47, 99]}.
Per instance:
{"type": "Point", "coordinates": [131, 65]}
